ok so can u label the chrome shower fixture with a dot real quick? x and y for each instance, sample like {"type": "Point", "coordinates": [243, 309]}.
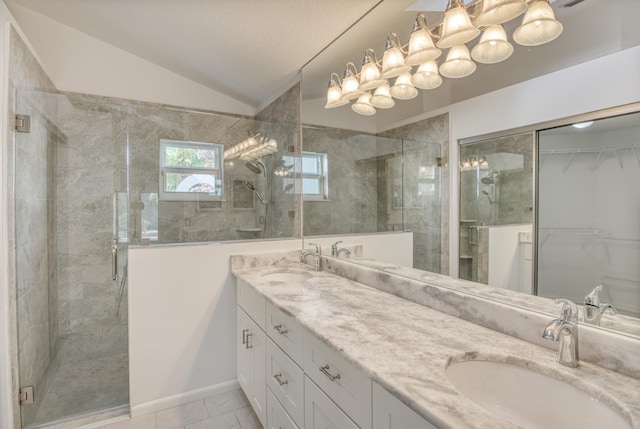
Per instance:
{"type": "Point", "coordinates": [491, 178]}
{"type": "Point", "coordinates": [488, 197]}
{"type": "Point", "coordinates": [257, 167]}
{"type": "Point", "coordinates": [255, 191]}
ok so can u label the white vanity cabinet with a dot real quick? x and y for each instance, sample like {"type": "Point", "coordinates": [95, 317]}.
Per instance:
{"type": "Point", "coordinates": [251, 348]}
{"type": "Point", "coordinates": [390, 413]}
{"type": "Point", "coordinates": [321, 412]}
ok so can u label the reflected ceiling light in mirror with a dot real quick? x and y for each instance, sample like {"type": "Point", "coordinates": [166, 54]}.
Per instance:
{"type": "Point", "coordinates": [539, 25]}
{"type": "Point", "coordinates": [457, 28]}
{"type": "Point", "coordinates": [350, 84]}
{"type": "Point", "coordinates": [421, 46]}
{"type": "Point", "coordinates": [499, 11]}
{"type": "Point", "coordinates": [581, 125]}
{"type": "Point", "coordinates": [334, 93]}
{"type": "Point", "coordinates": [458, 63]}
{"type": "Point", "coordinates": [363, 106]}
{"type": "Point", "coordinates": [382, 99]}
{"type": "Point", "coordinates": [403, 89]}
{"type": "Point", "coordinates": [393, 59]}
{"type": "Point", "coordinates": [493, 46]}
{"type": "Point", "coordinates": [427, 76]}
{"type": "Point", "coordinates": [370, 73]}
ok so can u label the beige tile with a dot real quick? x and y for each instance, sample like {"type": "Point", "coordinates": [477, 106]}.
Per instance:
{"type": "Point", "coordinates": [142, 422]}
{"type": "Point", "coordinates": [222, 421]}
{"type": "Point", "coordinates": [248, 419]}
{"type": "Point", "coordinates": [225, 402]}
{"type": "Point", "coordinates": [178, 417]}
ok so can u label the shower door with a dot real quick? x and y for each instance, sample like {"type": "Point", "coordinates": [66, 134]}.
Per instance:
{"type": "Point", "coordinates": [70, 172]}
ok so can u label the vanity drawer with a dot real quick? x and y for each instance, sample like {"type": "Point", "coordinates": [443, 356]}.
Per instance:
{"type": "Point", "coordinates": [277, 417]}
{"type": "Point", "coordinates": [286, 381]}
{"type": "Point", "coordinates": [286, 332]}
{"type": "Point", "coordinates": [321, 412]}
{"type": "Point", "coordinates": [390, 413]}
{"type": "Point", "coordinates": [346, 385]}
{"type": "Point", "coordinates": [252, 302]}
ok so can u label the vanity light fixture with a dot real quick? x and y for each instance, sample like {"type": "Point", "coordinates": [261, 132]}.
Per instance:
{"type": "Point", "coordinates": [461, 24]}
{"type": "Point", "coordinates": [382, 99]}
{"type": "Point", "coordinates": [421, 46]}
{"type": "Point", "coordinates": [370, 72]}
{"type": "Point", "coordinates": [403, 89]}
{"type": "Point", "coordinates": [458, 63]}
{"type": "Point", "coordinates": [334, 93]}
{"type": "Point", "coordinates": [252, 148]}
{"type": "Point", "coordinates": [539, 25]}
{"type": "Point", "coordinates": [493, 46]}
{"type": "Point", "coordinates": [457, 28]}
{"type": "Point", "coordinates": [393, 59]}
{"type": "Point", "coordinates": [350, 84]}
{"type": "Point", "coordinates": [499, 11]}
{"type": "Point", "coordinates": [363, 106]}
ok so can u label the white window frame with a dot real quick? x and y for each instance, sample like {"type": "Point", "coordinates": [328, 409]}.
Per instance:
{"type": "Point", "coordinates": [217, 170]}
{"type": "Point", "coordinates": [321, 160]}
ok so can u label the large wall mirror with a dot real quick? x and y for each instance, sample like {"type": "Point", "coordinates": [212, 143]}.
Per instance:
{"type": "Point", "coordinates": [403, 169]}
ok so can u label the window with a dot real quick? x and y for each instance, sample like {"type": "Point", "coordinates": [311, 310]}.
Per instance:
{"type": "Point", "coordinates": [190, 171]}
{"type": "Point", "coordinates": [315, 181]}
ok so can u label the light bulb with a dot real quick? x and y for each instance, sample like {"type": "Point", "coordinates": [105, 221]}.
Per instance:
{"type": "Point", "coordinates": [499, 11]}
{"type": "Point", "coordinates": [427, 76]}
{"type": "Point", "coordinates": [493, 46]}
{"type": "Point", "coordinates": [539, 25]}
{"type": "Point", "coordinates": [457, 28]}
{"type": "Point", "coordinates": [403, 89]}
{"type": "Point", "coordinates": [382, 99]}
{"type": "Point", "coordinates": [363, 105]}
{"type": "Point", "coordinates": [458, 63]}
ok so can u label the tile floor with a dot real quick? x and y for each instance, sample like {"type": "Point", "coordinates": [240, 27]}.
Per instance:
{"type": "Point", "coordinates": [229, 410]}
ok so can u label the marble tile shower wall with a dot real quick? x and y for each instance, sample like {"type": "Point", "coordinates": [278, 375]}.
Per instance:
{"type": "Point", "coordinates": [428, 215]}
{"type": "Point", "coordinates": [90, 168]}
{"type": "Point", "coordinates": [352, 206]}
{"type": "Point", "coordinates": [32, 285]}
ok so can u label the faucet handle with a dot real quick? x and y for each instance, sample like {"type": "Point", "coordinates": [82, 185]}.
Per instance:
{"type": "Point", "coordinates": [593, 298]}
{"type": "Point", "coordinates": [318, 248]}
{"type": "Point", "coordinates": [569, 310]}
{"type": "Point", "coordinates": [334, 248]}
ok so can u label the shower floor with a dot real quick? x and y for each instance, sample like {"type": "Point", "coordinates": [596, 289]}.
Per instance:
{"type": "Point", "coordinates": [85, 387]}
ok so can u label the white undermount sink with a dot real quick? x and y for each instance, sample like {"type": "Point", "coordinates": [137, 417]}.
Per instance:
{"type": "Point", "coordinates": [531, 399]}
{"type": "Point", "coordinates": [287, 276]}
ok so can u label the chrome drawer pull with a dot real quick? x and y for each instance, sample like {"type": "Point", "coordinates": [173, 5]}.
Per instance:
{"type": "Point", "coordinates": [325, 371]}
{"type": "Point", "coordinates": [278, 328]}
{"type": "Point", "coordinates": [247, 346]}
{"type": "Point", "coordinates": [278, 378]}
{"type": "Point", "coordinates": [244, 336]}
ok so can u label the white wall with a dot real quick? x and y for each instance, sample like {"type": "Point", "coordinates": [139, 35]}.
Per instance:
{"type": "Point", "coordinates": [80, 63]}
{"type": "Point", "coordinates": [504, 256]}
{"type": "Point", "coordinates": [182, 314]}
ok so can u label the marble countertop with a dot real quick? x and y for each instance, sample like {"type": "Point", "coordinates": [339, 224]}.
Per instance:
{"type": "Point", "coordinates": [405, 347]}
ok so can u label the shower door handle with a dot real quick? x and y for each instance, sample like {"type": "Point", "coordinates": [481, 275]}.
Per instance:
{"type": "Point", "coordinates": [473, 228]}
{"type": "Point", "coordinates": [114, 260]}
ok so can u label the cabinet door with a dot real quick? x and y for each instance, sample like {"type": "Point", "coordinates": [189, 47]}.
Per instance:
{"type": "Point", "coordinates": [252, 364]}
{"type": "Point", "coordinates": [320, 412]}
{"type": "Point", "coordinates": [390, 413]}
{"type": "Point", "coordinates": [277, 417]}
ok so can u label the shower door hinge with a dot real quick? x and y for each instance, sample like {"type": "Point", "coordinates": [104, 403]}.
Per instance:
{"type": "Point", "coordinates": [25, 396]}
{"type": "Point", "coordinates": [23, 123]}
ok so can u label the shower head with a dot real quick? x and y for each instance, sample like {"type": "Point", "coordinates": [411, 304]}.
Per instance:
{"type": "Point", "coordinates": [257, 167]}
{"type": "Point", "coordinates": [255, 191]}
{"type": "Point", "coordinates": [488, 197]}
{"type": "Point", "coordinates": [491, 178]}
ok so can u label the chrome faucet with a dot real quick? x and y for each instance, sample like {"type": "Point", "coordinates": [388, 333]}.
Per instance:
{"type": "Point", "coordinates": [565, 331]}
{"type": "Point", "coordinates": [336, 251]}
{"type": "Point", "coordinates": [317, 254]}
{"type": "Point", "coordinates": [594, 309]}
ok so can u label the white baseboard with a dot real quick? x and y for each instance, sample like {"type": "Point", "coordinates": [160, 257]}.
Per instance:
{"type": "Point", "coordinates": [183, 398]}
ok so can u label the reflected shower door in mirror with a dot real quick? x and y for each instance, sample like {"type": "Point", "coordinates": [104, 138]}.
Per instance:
{"type": "Point", "coordinates": [589, 215]}
{"type": "Point", "coordinates": [496, 211]}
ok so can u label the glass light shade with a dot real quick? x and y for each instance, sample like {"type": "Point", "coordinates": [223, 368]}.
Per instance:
{"type": "Point", "coordinates": [393, 63]}
{"type": "Point", "coordinates": [421, 48]}
{"type": "Point", "coordinates": [457, 28]}
{"type": "Point", "coordinates": [350, 88]}
{"type": "Point", "coordinates": [363, 106]}
{"type": "Point", "coordinates": [382, 99]}
{"type": "Point", "coordinates": [402, 88]}
{"type": "Point", "coordinates": [458, 63]}
{"type": "Point", "coordinates": [539, 25]}
{"type": "Point", "coordinates": [334, 97]}
{"type": "Point", "coordinates": [499, 11]}
{"type": "Point", "coordinates": [493, 46]}
{"type": "Point", "coordinates": [370, 77]}
{"type": "Point", "coordinates": [427, 76]}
